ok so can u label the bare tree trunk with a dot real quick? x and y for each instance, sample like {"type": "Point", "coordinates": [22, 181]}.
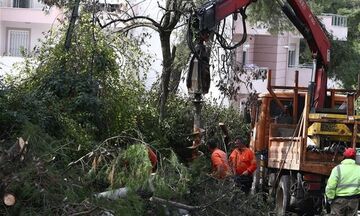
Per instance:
{"type": "Point", "coordinates": [70, 30]}
{"type": "Point", "coordinates": [166, 72]}
{"type": "Point", "coordinates": [175, 74]}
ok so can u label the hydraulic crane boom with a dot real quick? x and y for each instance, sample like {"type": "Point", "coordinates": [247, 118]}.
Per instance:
{"type": "Point", "coordinates": [299, 13]}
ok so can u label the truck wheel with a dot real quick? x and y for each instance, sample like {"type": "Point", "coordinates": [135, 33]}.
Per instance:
{"type": "Point", "coordinates": [256, 182]}
{"type": "Point", "coordinates": [272, 187]}
{"type": "Point", "coordinates": [282, 198]}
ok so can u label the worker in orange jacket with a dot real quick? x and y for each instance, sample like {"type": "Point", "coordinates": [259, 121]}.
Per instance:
{"type": "Point", "coordinates": [243, 163]}
{"type": "Point", "coordinates": [219, 162]}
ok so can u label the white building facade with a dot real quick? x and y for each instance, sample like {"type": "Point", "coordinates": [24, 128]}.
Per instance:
{"type": "Point", "coordinates": [22, 24]}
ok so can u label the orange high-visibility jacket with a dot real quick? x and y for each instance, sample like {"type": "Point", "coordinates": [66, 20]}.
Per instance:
{"type": "Point", "coordinates": [240, 161]}
{"type": "Point", "coordinates": [220, 163]}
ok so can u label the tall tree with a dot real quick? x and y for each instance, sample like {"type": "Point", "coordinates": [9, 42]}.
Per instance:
{"type": "Point", "coordinates": [172, 13]}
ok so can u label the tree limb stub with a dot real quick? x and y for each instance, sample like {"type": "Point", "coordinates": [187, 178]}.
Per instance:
{"type": "Point", "coordinates": [18, 150]}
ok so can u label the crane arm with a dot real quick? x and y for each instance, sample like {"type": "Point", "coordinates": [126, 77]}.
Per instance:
{"type": "Point", "coordinates": [314, 34]}
{"type": "Point", "coordinates": [299, 13]}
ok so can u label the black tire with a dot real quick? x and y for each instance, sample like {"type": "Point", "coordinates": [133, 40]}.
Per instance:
{"type": "Point", "coordinates": [256, 187]}
{"type": "Point", "coordinates": [271, 187]}
{"type": "Point", "coordinates": [282, 199]}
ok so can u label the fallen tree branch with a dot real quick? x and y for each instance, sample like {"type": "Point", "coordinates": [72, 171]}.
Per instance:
{"type": "Point", "coordinates": [175, 204]}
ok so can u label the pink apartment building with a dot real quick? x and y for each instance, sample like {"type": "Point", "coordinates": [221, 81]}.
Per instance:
{"type": "Point", "coordinates": [280, 53]}
{"type": "Point", "coordinates": [22, 23]}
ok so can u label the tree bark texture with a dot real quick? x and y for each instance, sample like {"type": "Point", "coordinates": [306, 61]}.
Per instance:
{"type": "Point", "coordinates": [168, 24]}
{"type": "Point", "coordinates": [166, 71]}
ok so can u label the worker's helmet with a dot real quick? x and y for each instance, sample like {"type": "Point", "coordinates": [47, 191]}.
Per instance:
{"type": "Point", "coordinates": [349, 153]}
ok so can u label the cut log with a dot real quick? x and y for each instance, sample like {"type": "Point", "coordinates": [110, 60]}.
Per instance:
{"type": "Point", "coordinates": [9, 199]}
{"type": "Point", "coordinates": [114, 194]}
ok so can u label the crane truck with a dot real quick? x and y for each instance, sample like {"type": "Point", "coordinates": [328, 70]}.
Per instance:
{"type": "Point", "coordinates": [296, 157]}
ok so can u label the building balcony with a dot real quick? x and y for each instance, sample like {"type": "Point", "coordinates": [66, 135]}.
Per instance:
{"type": "Point", "coordinates": [26, 11]}
{"type": "Point", "coordinates": [336, 25]}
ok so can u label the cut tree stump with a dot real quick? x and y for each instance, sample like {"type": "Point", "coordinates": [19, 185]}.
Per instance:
{"type": "Point", "coordinates": [9, 199]}
{"type": "Point", "coordinates": [9, 161]}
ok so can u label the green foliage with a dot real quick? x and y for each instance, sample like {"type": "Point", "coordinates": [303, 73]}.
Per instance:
{"type": "Point", "coordinates": [175, 130]}
{"type": "Point", "coordinates": [131, 168]}
{"type": "Point", "coordinates": [345, 71]}
{"type": "Point", "coordinates": [178, 124]}
{"type": "Point", "coordinates": [345, 54]}
{"type": "Point", "coordinates": [81, 95]}
{"type": "Point", "coordinates": [268, 14]}
{"type": "Point", "coordinates": [64, 102]}
{"type": "Point", "coordinates": [235, 123]}
{"type": "Point", "coordinates": [172, 178]}
{"type": "Point", "coordinates": [131, 205]}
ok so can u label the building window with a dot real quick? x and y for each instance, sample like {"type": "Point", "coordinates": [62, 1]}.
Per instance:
{"type": "Point", "coordinates": [291, 58]}
{"type": "Point", "coordinates": [338, 20]}
{"type": "Point", "coordinates": [110, 7]}
{"type": "Point", "coordinates": [21, 3]}
{"type": "Point", "coordinates": [18, 42]}
{"type": "Point", "coordinates": [244, 57]}
{"type": "Point", "coordinates": [291, 55]}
